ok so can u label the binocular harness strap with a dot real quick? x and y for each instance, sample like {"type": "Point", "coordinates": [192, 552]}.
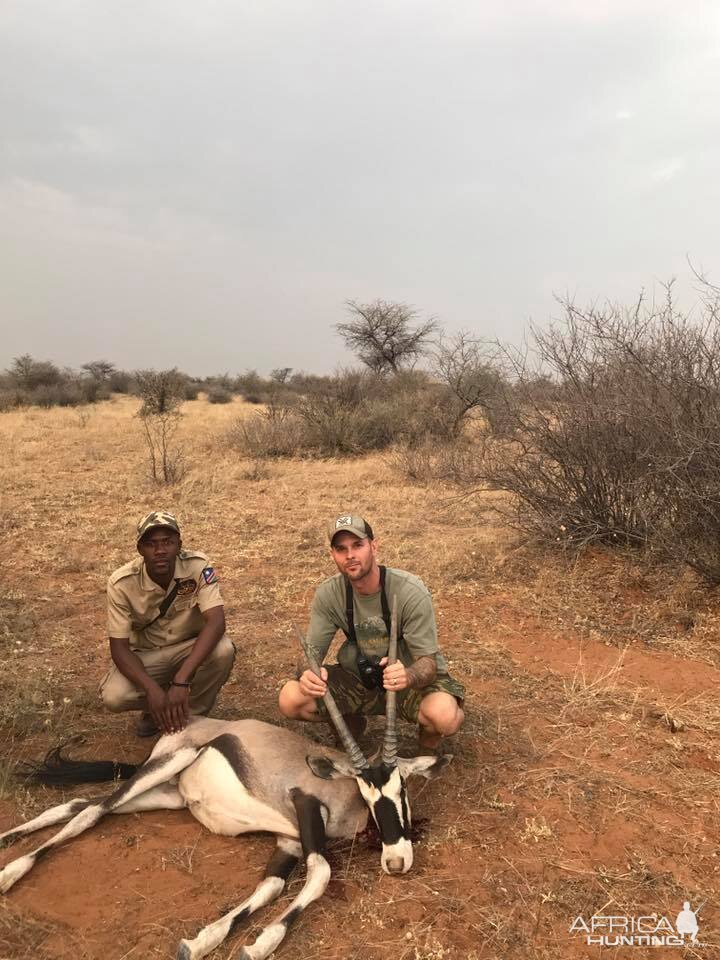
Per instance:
{"type": "Point", "coordinates": [350, 610]}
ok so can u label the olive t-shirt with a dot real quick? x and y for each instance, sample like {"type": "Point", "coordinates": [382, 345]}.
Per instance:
{"type": "Point", "coordinates": [416, 621]}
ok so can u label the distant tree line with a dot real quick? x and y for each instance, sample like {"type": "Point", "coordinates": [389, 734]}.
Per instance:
{"type": "Point", "coordinates": [603, 428]}
{"type": "Point", "coordinates": [31, 382]}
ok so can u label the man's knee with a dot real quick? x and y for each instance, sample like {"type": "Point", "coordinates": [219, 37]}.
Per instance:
{"type": "Point", "coordinates": [118, 696]}
{"type": "Point", "coordinates": [290, 699]}
{"type": "Point", "coordinates": [223, 653]}
{"type": "Point", "coordinates": [441, 711]}
{"type": "Point", "coordinates": [294, 704]}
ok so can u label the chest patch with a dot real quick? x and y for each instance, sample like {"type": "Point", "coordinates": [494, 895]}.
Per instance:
{"type": "Point", "coordinates": [186, 588]}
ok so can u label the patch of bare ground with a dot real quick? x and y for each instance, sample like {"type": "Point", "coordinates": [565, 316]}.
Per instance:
{"type": "Point", "coordinates": [585, 779]}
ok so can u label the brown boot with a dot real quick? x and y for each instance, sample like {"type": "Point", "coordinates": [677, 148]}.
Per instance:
{"type": "Point", "coordinates": [428, 742]}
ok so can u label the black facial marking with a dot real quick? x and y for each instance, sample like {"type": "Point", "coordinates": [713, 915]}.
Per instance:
{"type": "Point", "coordinates": [231, 748]}
{"type": "Point", "coordinates": [388, 821]}
{"type": "Point", "coordinates": [377, 776]}
{"type": "Point", "coordinates": [310, 821]}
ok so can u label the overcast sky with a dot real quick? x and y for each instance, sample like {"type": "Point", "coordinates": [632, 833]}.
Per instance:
{"type": "Point", "coordinates": [203, 184]}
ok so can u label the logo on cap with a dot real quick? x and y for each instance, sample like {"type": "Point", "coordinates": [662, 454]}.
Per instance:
{"type": "Point", "coordinates": [342, 522]}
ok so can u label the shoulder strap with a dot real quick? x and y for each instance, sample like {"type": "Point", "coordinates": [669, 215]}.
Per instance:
{"type": "Point", "coordinates": [350, 612]}
{"type": "Point", "coordinates": [384, 600]}
{"type": "Point", "coordinates": [165, 605]}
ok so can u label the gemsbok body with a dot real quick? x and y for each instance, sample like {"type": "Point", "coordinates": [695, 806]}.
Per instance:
{"type": "Point", "coordinates": [245, 775]}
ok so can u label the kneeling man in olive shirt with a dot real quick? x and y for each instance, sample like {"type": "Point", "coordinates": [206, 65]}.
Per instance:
{"type": "Point", "coordinates": [356, 601]}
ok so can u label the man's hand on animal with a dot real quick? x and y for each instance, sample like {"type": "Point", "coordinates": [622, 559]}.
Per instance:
{"type": "Point", "coordinates": [178, 707]}
{"type": "Point", "coordinates": [157, 708]}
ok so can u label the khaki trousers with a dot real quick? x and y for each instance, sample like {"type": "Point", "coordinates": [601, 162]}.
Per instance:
{"type": "Point", "coordinates": [119, 694]}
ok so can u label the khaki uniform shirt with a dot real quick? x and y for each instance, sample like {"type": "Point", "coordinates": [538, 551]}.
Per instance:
{"type": "Point", "coordinates": [134, 602]}
{"type": "Point", "coordinates": [416, 621]}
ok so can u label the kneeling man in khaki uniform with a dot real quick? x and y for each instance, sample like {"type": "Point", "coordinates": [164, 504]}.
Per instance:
{"type": "Point", "coordinates": [166, 622]}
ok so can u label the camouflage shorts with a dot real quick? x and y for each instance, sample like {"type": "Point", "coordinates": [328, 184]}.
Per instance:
{"type": "Point", "coordinates": [352, 697]}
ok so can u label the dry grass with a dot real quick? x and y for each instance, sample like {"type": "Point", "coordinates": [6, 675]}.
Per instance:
{"type": "Point", "coordinates": [21, 936]}
{"type": "Point", "coordinates": [587, 770]}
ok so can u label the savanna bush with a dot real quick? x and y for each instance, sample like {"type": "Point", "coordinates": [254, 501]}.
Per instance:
{"type": "Point", "coordinates": [191, 389]}
{"type": "Point", "coordinates": [607, 431]}
{"type": "Point", "coordinates": [351, 413]}
{"type": "Point", "coordinates": [218, 394]}
{"type": "Point", "coordinates": [41, 383]}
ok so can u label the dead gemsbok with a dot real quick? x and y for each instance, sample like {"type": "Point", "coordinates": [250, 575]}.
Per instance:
{"type": "Point", "coordinates": [245, 775]}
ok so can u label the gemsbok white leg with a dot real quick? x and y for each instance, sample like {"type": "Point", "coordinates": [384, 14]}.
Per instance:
{"type": "Point", "coordinates": [318, 875]}
{"type": "Point", "coordinates": [48, 818]}
{"type": "Point", "coordinates": [154, 772]}
{"type": "Point", "coordinates": [311, 821]}
{"type": "Point", "coordinates": [164, 797]}
{"type": "Point", "coordinates": [281, 865]}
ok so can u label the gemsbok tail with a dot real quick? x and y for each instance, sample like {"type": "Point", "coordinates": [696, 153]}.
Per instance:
{"type": "Point", "coordinates": [57, 770]}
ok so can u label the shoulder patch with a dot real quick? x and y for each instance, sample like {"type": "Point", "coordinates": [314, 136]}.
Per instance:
{"type": "Point", "coordinates": [209, 575]}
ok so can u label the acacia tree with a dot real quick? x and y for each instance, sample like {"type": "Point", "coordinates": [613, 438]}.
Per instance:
{"type": "Point", "coordinates": [30, 373]}
{"type": "Point", "coordinates": [100, 370]}
{"type": "Point", "coordinates": [386, 336]}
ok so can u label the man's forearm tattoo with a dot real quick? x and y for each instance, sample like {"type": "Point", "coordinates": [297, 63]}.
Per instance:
{"type": "Point", "coordinates": [422, 672]}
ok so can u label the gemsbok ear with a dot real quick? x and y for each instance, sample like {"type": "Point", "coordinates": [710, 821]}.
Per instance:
{"type": "Point", "coordinates": [328, 769]}
{"type": "Point", "coordinates": [427, 767]}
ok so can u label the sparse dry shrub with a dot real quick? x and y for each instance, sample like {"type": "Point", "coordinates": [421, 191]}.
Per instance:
{"type": "Point", "coordinates": [417, 463]}
{"type": "Point", "coordinates": [119, 382]}
{"type": "Point", "coordinates": [469, 369]}
{"type": "Point", "coordinates": [252, 387]}
{"type": "Point", "coordinates": [347, 415]}
{"type": "Point", "coordinates": [218, 394]}
{"type": "Point", "coordinates": [56, 395]}
{"type": "Point", "coordinates": [29, 373]}
{"type": "Point", "coordinates": [163, 393]}
{"type": "Point", "coordinates": [273, 432]}
{"type": "Point", "coordinates": [609, 431]}
{"type": "Point", "coordinates": [43, 384]}
{"type": "Point", "coordinates": [11, 398]}
{"type": "Point", "coordinates": [191, 390]}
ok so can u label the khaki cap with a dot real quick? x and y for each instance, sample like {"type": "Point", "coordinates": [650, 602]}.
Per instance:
{"type": "Point", "coordinates": [158, 518]}
{"type": "Point", "coordinates": [350, 522]}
